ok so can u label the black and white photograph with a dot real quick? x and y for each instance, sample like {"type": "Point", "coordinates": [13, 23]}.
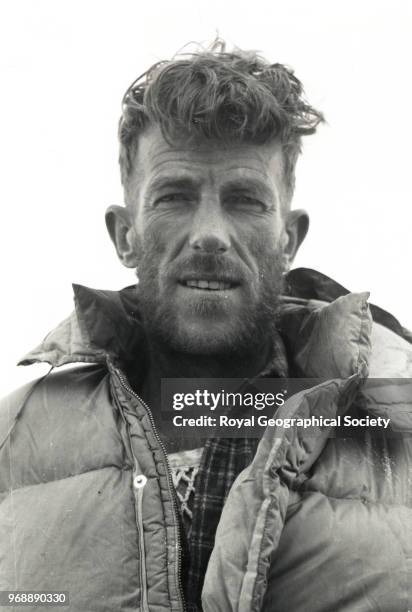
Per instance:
{"type": "Point", "coordinates": [207, 332]}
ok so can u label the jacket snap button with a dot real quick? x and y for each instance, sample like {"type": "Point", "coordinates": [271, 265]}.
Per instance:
{"type": "Point", "coordinates": [139, 481]}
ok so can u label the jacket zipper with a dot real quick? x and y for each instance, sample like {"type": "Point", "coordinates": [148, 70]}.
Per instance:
{"type": "Point", "coordinates": [139, 481]}
{"type": "Point", "coordinates": [126, 386]}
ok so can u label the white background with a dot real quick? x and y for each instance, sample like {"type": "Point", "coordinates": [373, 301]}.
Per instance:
{"type": "Point", "coordinates": [64, 67]}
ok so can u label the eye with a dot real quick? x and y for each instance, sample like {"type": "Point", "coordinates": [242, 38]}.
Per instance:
{"type": "Point", "coordinates": [172, 199]}
{"type": "Point", "coordinates": [245, 203]}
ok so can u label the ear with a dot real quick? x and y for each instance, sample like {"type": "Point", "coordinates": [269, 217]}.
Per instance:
{"type": "Point", "coordinates": [120, 228]}
{"type": "Point", "coordinates": [296, 228]}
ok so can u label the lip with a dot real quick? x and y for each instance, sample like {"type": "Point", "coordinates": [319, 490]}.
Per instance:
{"type": "Point", "coordinates": [208, 285]}
{"type": "Point", "coordinates": [214, 279]}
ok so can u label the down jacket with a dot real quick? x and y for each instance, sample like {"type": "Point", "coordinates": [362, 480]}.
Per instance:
{"type": "Point", "coordinates": [316, 523]}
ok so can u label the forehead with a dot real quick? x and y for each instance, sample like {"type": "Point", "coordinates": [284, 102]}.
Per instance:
{"type": "Point", "coordinates": [206, 160]}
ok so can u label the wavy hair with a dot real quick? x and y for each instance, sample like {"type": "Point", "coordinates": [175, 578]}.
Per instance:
{"type": "Point", "coordinates": [236, 97]}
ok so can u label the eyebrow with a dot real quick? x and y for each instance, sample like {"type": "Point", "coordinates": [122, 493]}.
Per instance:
{"type": "Point", "coordinates": [176, 182]}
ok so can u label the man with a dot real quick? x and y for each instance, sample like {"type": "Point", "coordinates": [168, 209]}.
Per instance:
{"type": "Point", "coordinates": [98, 499]}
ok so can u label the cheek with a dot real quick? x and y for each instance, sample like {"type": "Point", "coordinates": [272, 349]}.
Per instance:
{"type": "Point", "coordinates": [157, 244]}
{"type": "Point", "coordinates": [152, 242]}
{"type": "Point", "coordinates": [161, 233]}
{"type": "Point", "coordinates": [264, 245]}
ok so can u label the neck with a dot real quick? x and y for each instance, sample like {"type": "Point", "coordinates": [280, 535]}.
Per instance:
{"type": "Point", "coordinates": [164, 363]}
{"type": "Point", "coordinates": [167, 363]}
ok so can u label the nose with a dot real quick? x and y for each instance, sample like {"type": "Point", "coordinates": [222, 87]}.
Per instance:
{"type": "Point", "coordinates": [209, 229]}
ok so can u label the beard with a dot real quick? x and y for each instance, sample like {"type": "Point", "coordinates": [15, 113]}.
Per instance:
{"type": "Point", "coordinates": [249, 329]}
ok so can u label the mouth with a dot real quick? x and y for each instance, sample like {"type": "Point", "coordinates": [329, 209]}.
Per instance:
{"type": "Point", "coordinates": [208, 285]}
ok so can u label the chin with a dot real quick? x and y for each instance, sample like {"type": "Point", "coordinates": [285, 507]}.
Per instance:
{"type": "Point", "coordinates": [234, 334]}
{"type": "Point", "coordinates": [208, 339]}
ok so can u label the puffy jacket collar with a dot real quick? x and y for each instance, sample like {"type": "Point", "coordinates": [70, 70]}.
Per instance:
{"type": "Point", "coordinates": [104, 324]}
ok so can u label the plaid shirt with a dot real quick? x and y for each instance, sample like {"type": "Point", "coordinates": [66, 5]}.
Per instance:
{"type": "Point", "coordinates": [222, 461]}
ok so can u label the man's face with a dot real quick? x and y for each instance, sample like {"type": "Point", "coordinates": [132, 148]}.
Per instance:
{"type": "Point", "coordinates": [207, 227]}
